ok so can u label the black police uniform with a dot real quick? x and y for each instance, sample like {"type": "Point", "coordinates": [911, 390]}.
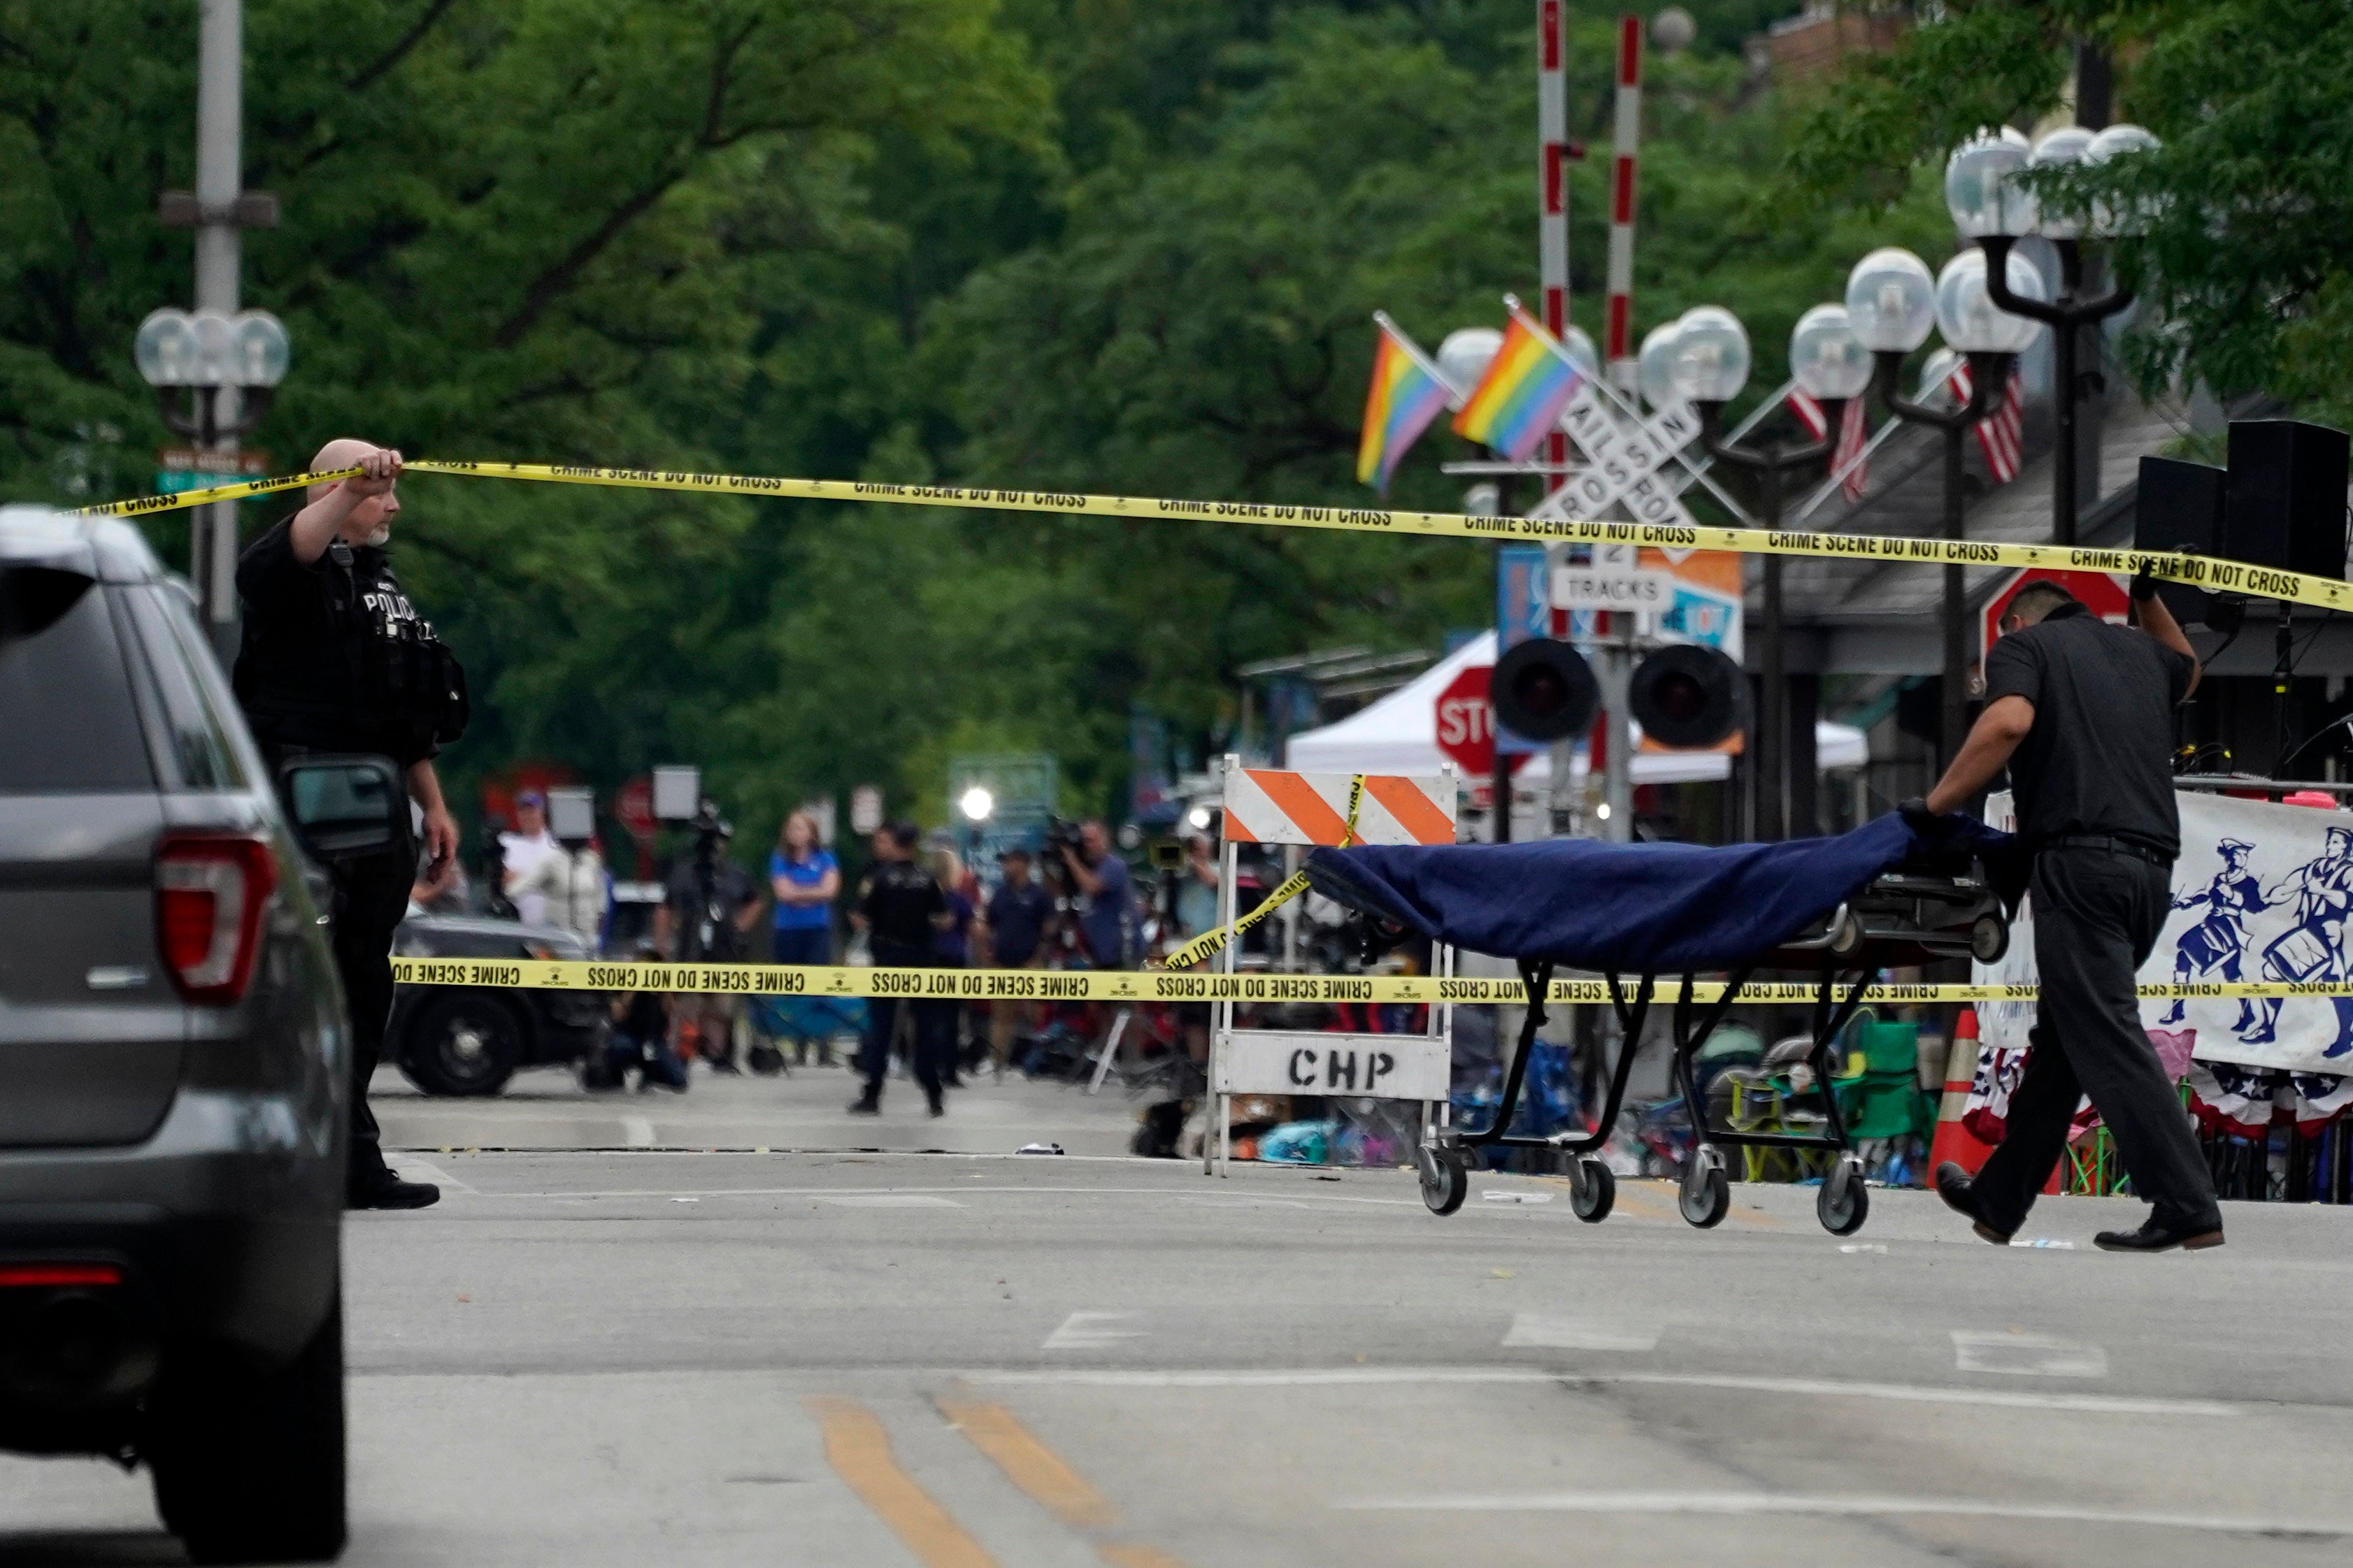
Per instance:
{"type": "Point", "coordinates": [2095, 791]}
{"type": "Point", "coordinates": [335, 659]}
{"type": "Point", "coordinates": [898, 900]}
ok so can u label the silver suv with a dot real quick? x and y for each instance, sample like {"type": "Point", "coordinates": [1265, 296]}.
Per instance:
{"type": "Point", "coordinates": [171, 1048]}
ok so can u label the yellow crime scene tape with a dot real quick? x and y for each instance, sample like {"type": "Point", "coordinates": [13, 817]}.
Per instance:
{"type": "Point", "coordinates": [2213, 574]}
{"type": "Point", "coordinates": [857, 981]}
{"type": "Point", "coordinates": [1213, 941]}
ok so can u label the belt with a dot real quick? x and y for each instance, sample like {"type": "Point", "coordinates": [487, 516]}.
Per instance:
{"type": "Point", "coordinates": [2113, 846]}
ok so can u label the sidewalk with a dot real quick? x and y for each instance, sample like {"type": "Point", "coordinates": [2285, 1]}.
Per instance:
{"type": "Point", "coordinates": [545, 1107]}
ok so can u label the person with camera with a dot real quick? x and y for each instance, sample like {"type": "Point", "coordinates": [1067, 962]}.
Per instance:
{"type": "Point", "coordinates": [903, 910]}
{"type": "Point", "coordinates": [334, 658]}
{"type": "Point", "coordinates": [1107, 923]}
{"type": "Point", "coordinates": [712, 908]}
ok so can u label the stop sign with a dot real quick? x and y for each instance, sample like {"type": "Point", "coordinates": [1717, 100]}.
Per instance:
{"type": "Point", "coordinates": [2101, 595]}
{"type": "Point", "coordinates": [633, 807]}
{"type": "Point", "coordinates": [1466, 725]}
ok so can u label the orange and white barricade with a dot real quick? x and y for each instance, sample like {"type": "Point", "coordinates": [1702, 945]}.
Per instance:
{"type": "Point", "coordinates": [1268, 805]}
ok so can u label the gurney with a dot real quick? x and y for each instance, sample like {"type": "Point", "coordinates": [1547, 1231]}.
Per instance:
{"type": "Point", "coordinates": [1841, 909]}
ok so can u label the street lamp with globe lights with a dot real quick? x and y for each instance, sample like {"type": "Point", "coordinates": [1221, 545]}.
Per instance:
{"type": "Point", "coordinates": [1707, 366]}
{"type": "Point", "coordinates": [1990, 205]}
{"type": "Point", "coordinates": [1892, 303]}
{"type": "Point", "coordinates": [214, 375]}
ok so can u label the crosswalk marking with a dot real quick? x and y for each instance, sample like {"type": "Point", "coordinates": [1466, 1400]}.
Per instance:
{"type": "Point", "coordinates": [1091, 1331]}
{"type": "Point", "coordinates": [1554, 1330]}
{"type": "Point", "coordinates": [2026, 1355]}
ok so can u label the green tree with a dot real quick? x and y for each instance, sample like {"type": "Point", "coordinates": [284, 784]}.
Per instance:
{"type": "Point", "coordinates": [2243, 267]}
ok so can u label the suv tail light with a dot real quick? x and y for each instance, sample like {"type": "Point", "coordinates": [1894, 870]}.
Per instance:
{"type": "Point", "coordinates": [210, 891]}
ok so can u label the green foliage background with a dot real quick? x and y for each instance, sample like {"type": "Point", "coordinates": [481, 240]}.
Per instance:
{"type": "Point", "coordinates": [1124, 246]}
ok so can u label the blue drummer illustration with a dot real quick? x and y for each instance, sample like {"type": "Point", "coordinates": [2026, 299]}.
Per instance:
{"type": "Point", "coordinates": [2218, 942]}
{"type": "Point", "coordinates": [2313, 947]}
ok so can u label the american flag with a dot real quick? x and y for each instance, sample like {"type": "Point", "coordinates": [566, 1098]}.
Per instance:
{"type": "Point", "coordinates": [1999, 432]}
{"type": "Point", "coordinates": [1847, 460]}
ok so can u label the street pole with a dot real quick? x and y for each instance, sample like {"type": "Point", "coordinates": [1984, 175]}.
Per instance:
{"type": "Point", "coordinates": [220, 112]}
{"type": "Point", "coordinates": [1768, 756]}
{"type": "Point", "coordinates": [1626, 137]}
{"type": "Point", "coordinates": [1989, 373]}
{"type": "Point", "coordinates": [1617, 767]}
{"type": "Point", "coordinates": [2067, 317]}
{"type": "Point", "coordinates": [1552, 193]}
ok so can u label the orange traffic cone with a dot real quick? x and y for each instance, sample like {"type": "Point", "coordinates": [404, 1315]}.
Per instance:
{"type": "Point", "coordinates": [1954, 1140]}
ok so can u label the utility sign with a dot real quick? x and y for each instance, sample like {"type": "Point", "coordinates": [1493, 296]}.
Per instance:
{"type": "Point", "coordinates": [1466, 724]}
{"type": "Point", "coordinates": [1601, 588]}
{"type": "Point", "coordinates": [1377, 1067]}
{"type": "Point", "coordinates": [865, 809]}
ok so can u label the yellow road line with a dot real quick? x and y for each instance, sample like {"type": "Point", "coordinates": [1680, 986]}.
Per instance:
{"type": "Point", "coordinates": [1031, 1465]}
{"type": "Point", "coordinates": [859, 1449]}
{"type": "Point", "coordinates": [1131, 1555]}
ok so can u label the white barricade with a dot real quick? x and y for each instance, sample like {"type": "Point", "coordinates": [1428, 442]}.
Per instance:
{"type": "Point", "coordinates": [1265, 805]}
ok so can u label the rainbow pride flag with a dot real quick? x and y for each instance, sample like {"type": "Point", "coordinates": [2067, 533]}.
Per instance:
{"type": "Point", "coordinates": [1518, 401]}
{"type": "Point", "coordinates": [1406, 398]}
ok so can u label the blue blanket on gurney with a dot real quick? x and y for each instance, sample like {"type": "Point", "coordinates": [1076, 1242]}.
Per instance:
{"type": "Point", "coordinates": [1630, 908]}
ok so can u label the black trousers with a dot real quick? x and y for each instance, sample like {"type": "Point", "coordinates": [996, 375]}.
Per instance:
{"type": "Point", "coordinates": [2097, 915]}
{"type": "Point", "coordinates": [371, 897]}
{"type": "Point", "coordinates": [934, 1047]}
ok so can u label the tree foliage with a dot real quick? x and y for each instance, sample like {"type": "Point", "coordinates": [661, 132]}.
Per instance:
{"type": "Point", "coordinates": [2243, 267]}
{"type": "Point", "coordinates": [1127, 246]}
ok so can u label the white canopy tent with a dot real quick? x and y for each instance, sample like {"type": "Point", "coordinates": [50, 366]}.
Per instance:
{"type": "Point", "coordinates": [1398, 734]}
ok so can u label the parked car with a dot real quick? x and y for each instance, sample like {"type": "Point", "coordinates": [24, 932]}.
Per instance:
{"type": "Point", "coordinates": [467, 1040]}
{"type": "Point", "coordinates": [172, 1044]}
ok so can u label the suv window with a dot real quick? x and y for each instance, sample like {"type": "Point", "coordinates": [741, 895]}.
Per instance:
{"type": "Point", "coordinates": [66, 708]}
{"type": "Point", "coordinates": [198, 740]}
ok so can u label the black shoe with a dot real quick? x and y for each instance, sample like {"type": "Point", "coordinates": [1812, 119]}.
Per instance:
{"type": "Point", "coordinates": [2154, 1237]}
{"type": "Point", "coordinates": [938, 1108]}
{"type": "Point", "coordinates": [866, 1105]}
{"type": "Point", "coordinates": [390, 1192]}
{"type": "Point", "coordinates": [1954, 1186]}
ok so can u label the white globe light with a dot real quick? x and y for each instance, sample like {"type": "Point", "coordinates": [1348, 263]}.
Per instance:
{"type": "Point", "coordinates": [1979, 191]}
{"type": "Point", "coordinates": [2064, 146]}
{"type": "Point", "coordinates": [1937, 369]}
{"type": "Point", "coordinates": [1891, 300]}
{"type": "Point", "coordinates": [1826, 357]}
{"type": "Point", "coordinates": [215, 349]}
{"type": "Point", "coordinates": [1581, 351]}
{"type": "Point", "coordinates": [2108, 218]}
{"type": "Point", "coordinates": [1967, 315]}
{"type": "Point", "coordinates": [1198, 816]}
{"type": "Point", "coordinates": [1465, 355]}
{"type": "Point", "coordinates": [977, 803]}
{"type": "Point", "coordinates": [165, 349]}
{"type": "Point", "coordinates": [1711, 360]}
{"type": "Point", "coordinates": [262, 350]}
{"type": "Point", "coordinates": [1655, 367]}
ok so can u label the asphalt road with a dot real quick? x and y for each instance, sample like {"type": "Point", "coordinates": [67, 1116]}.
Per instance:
{"type": "Point", "coordinates": [802, 1110]}
{"type": "Point", "coordinates": [626, 1358]}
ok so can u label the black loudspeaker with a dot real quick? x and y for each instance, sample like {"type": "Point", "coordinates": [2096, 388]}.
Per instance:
{"type": "Point", "coordinates": [2284, 500]}
{"type": "Point", "coordinates": [1687, 695]}
{"type": "Point", "coordinates": [1543, 689]}
{"type": "Point", "coordinates": [2178, 506]}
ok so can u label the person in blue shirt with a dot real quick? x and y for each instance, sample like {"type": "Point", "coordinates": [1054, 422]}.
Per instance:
{"type": "Point", "coordinates": [805, 879]}
{"type": "Point", "coordinates": [1108, 922]}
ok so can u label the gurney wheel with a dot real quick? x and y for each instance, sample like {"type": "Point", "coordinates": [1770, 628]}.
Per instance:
{"type": "Point", "coordinates": [1844, 1202]}
{"type": "Point", "coordinates": [1444, 1182]}
{"type": "Point", "coordinates": [1989, 939]}
{"type": "Point", "coordinates": [1706, 1195]}
{"type": "Point", "coordinates": [1592, 1191]}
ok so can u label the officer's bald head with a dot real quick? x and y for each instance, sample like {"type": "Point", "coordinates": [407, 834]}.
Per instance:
{"type": "Point", "coordinates": [370, 520]}
{"type": "Point", "coordinates": [343, 452]}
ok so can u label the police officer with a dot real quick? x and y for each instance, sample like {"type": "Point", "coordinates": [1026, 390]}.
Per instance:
{"type": "Point", "coordinates": [335, 659]}
{"type": "Point", "coordinates": [2081, 713]}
